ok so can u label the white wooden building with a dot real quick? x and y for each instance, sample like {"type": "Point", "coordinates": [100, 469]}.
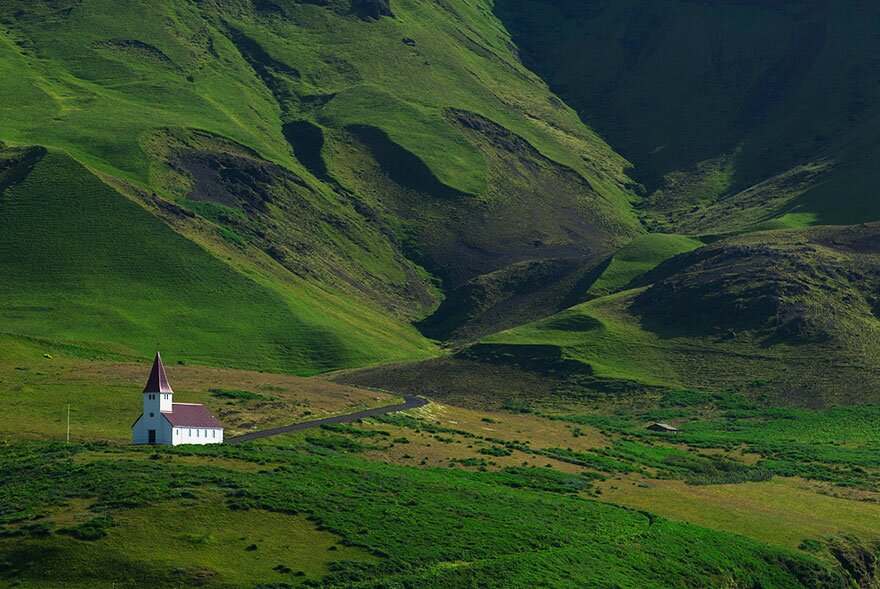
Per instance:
{"type": "Point", "coordinates": [169, 423]}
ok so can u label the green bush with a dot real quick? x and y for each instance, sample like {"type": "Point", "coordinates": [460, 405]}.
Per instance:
{"type": "Point", "coordinates": [94, 529]}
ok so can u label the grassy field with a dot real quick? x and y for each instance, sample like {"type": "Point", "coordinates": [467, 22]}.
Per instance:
{"type": "Point", "coordinates": [105, 395]}
{"type": "Point", "coordinates": [211, 544]}
{"type": "Point", "coordinates": [783, 512]}
{"type": "Point", "coordinates": [479, 526]}
{"type": "Point", "coordinates": [722, 470]}
{"type": "Point", "coordinates": [503, 495]}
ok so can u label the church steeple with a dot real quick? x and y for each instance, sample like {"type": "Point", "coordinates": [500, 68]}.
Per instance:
{"type": "Point", "coordinates": [158, 382]}
{"type": "Point", "coordinates": [157, 393]}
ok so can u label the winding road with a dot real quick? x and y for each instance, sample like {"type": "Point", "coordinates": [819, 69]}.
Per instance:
{"type": "Point", "coordinates": [409, 402]}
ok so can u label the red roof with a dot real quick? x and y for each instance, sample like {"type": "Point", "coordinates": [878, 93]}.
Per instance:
{"type": "Point", "coordinates": [158, 382]}
{"type": "Point", "coordinates": [190, 415]}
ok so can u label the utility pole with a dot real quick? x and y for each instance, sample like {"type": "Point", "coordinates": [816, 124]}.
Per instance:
{"type": "Point", "coordinates": [68, 423]}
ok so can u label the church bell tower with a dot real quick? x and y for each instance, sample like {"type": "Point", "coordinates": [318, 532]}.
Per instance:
{"type": "Point", "coordinates": [157, 393]}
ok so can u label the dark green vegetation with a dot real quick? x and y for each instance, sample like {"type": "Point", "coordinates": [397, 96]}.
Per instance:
{"type": "Point", "coordinates": [838, 445]}
{"type": "Point", "coordinates": [237, 395]}
{"type": "Point", "coordinates": [733, 113]}
{"type": "Point", "coordinates": [791, 313]}
{"type": "Point", "coordinates": [835, 445]}
{"type": "Point", "coordinates": [443, 528]}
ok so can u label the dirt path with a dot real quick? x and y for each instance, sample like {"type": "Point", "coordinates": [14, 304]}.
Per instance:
{"type": "Point", "coordinates": [409, 402]}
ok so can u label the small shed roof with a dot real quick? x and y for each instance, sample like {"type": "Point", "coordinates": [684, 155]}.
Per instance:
{"type": "Point", "coordinates": [190, 415]}
{"type": "Point", "coordinates": [662, 426]}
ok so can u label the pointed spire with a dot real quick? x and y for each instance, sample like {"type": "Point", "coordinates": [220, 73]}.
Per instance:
{"type": "Point", "coordinates": [158, 382]}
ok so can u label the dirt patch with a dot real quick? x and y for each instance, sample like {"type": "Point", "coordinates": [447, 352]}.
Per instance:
{"type": "Point", "coordinates": [232, 180]}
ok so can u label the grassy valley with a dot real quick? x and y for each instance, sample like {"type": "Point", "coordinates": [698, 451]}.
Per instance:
{"type": "Point", "coordinates": [789, 313]}
{"type": "Point", "coordinates": [504, 496]}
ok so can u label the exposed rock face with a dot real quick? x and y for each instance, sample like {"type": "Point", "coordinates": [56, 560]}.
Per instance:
{"type": "Point", "coordinates": [859, 560]}
{"type": "Point", "coordinates": [260, 203]}
{"type": "Point", "coordinates": [797, 291]}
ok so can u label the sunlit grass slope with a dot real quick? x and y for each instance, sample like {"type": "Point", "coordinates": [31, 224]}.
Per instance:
{"type": "Point", "coordinates": [86, 266]}
{"type": "Point", "coordinates": [240, 70]}
{"type": "Point", "coordinates": [637, 257]}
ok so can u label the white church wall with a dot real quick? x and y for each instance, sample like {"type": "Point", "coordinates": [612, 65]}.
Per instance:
{"type": "Point", "coordinates": [140, 433]}
{"type": "Point", "coordinates": [164, 401]}
{"type": "Point", "coordinates": [197, 435]}
{"type": "Point", "coordinates": [166, 430]}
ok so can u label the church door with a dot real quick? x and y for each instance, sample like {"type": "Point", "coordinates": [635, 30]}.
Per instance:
{"type": "Point", "coordinates": [151, 436]}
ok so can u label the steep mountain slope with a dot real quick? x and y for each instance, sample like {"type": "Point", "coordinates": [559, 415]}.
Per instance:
{"type": "Point", "coordinates": [307, 143]}
{"type": "Point", "coordinates": [710, 99]}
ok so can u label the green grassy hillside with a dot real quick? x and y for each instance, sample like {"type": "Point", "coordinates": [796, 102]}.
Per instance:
{"type": "Point", "coordinates": [83, 265]}
{"type": "Point", "coordinates": [709, 99]}
{"type": "Point", "coordinates": [313, 133]}
{"type": "Point", "coordinates": [526, 291]}
{"type": "Point", "coordinates": [638, 257]}
{"type": "Point", "coordinates": [300, 186]}
{"type": "Point", "coordinates": [789, 312]}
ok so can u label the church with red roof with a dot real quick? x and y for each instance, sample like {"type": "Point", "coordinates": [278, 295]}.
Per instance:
{"type": "Point", "coordinates": [171, 424]}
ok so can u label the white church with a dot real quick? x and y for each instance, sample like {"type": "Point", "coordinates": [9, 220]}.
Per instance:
{"type": "Point", "coordinates": [171, 424]}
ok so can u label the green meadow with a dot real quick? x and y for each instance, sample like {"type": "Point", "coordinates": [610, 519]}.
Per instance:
{"type": "Point", "coordinates": [396, 526]}
{"type": "Point", "coordinates": [332, 507]}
